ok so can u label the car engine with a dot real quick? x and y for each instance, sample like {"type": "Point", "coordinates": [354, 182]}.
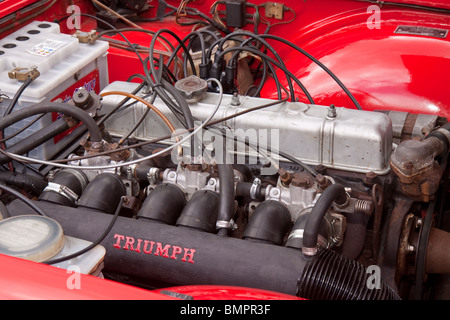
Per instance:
{"type": "Point", "coordinates": [185, 174]}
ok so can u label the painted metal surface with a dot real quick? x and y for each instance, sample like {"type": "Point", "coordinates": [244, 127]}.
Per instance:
{"type": "Point", "coordinates": [26, 280]}
{"type": "Point", "coordinates": [383, 70]}
{"type": "Point", "coordinates": [358, 42]}
{"type": "Point", "coordinates": [225, 292]}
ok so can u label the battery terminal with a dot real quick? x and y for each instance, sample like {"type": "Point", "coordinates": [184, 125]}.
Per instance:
{"type": "Point", "coordinates": [23, 74]}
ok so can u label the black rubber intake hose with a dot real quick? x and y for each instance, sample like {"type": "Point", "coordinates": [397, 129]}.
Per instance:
{"type": "Point", "coordinates": [36, 139]}
{"type": "Point", "coordinates": [200, 213]}
{"type": "Point", "coordinates": [268, 223]}
{"type": "Point", "coordinates": [182, 256]}
{"type": "Point", "coordinates": [67, 109]}
{"type": "Point", "coordinates": [164, 204]}
{"type": "Point", "coordinates": [72, 179]}
{"type": "Point", "coordinates": [22, 180]}
{"type": "Point", "coordinates": [334, 193]}
{"type": "Point", "coordinates": [103, 193]}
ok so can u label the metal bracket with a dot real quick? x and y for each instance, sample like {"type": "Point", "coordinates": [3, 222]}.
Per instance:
{"type": "Point", "coordinates": [274, 10]}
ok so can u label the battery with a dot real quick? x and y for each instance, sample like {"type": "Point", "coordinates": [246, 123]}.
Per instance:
{"type": "Point", "coordinates": [64, 64]}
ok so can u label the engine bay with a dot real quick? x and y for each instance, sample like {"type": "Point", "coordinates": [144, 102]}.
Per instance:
{"type": "Point", "coordinates": [213, 164]}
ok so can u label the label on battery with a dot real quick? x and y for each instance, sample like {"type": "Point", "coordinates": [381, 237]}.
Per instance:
{"type": "Point", "coordinates": [46, 48]}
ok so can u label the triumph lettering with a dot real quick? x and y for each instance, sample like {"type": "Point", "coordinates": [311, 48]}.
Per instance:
{"type": "Point", "coordinates": [154, 248]}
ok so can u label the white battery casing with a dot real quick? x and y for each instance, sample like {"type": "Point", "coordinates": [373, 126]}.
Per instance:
{"type": "Point", "coordinates": [64, 65]}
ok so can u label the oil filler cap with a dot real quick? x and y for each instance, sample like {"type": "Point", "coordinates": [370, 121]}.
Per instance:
{"type": "Point", "coordinates": [31, 237]}
{"type": "Point", "coordinates": [192, 88]}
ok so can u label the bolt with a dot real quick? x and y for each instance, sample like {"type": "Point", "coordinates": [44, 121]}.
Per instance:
{"type": "Point", "coordinates": [370, 178]}
{"type": "Point", "coordinates": [322, 181]}
{"type": "Point", "coordinates": [408, 165]}
{"type": "Point", "coordinates": [320, 168]}
{"type": "Point", "coordinates": [419, 223]}
{"type": "Point", "coordinates": [331, 111]}
{"type": "Point", "coordinates": [235, 99]}
{"type": "Point", "coordinates": [302, 182]}
{"type": "Point", "coordinates": [285, 177]}
{"type": "Point", "coordinates": [428, 188]}
{"type": "Point", "coordinates": [194, 167]}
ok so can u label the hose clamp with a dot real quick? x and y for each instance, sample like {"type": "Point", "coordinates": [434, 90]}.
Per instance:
{"type": "Point", "coordinates": [62, 190]}
{"type": "Point", "coordinates": [296, 234]}
{"type": "Point", "coordinates": [222, 224]}
{"type": "Point", "coordinates": [309, 251]}
{"type": "Point", "coordinates": [97, 145]}
{"type": "Point", "coordinates": [254, 188]}
{"type": "Point", "coordinates": [153, 175]}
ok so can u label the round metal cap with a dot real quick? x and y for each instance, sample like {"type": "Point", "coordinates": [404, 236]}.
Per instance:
{"type": "Point", "coordinates": [192, 88]}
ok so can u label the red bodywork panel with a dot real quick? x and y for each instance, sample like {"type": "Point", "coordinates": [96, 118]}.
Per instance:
{"type": "Point", "coordinates": [26, 280]}
{"type": "Point", "coordinates": [384, 70]}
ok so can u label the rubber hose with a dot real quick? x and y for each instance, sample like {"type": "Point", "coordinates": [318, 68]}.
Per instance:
{"type": "Point", "coordinates": [36, 139]}
{"type": "Point", "coordinates": [226, 201]}
{"type": "Point", "coordinates": [95, 133]}
{"type": "Point", "coordinates": [22, 180]}
{"type": "Point", "coordinates": [330, 276]}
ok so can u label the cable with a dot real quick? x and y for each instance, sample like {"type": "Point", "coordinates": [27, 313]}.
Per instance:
{"type": "Point", "coordinates": [118, 15]}
{"type": "Point", "coordinates": [233, 61]}
{"type": "Point", "coordinates": [407, 5]}
{"type": "Point", "coordinates": [181, 43]}
{"type": "Point", "coordinates": [138, 123]}
{"type": "Point", "coordinates": [169, 47]}
{"type": "Point", "coordinates": [24, 199]}
{"type": "Point", "coordinates": [23, 128]}
{"type": "Point", "coordinates": [280, 64]}
{"type": "Point", "coordinates": [26, 9]}
{"type": "Point", "coordinates": [206, 123]}
{"type": "Point", "coordinates": [121, 103]}
{"type": "Point", "coordinates": [277, 64]}
{"type": "Point", "coordinates": [195, 12]}
{"type": "Point", "coordinates": [141, 144]}
{"type": "Point", "coordinates": [16, 97]}
{"type": "Point", "coordinates": [4, 212]}
{"type": "Point", "coordinates": [320, 64]}
{"type": "Point", "coordinates": [11, 106]}
{"type": "Point", "coordinates": [210, 123]}
{"type": "Point", "coordinates": [113, 28]}
{"type": "Point", "coordinates": [123, 164]}
{"type": "Point", "coordinates": [96, 135]}
{"type": "Point", "coordinates": [145, 102]}
{"type": "Point", "coordinates": [95, 243]}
